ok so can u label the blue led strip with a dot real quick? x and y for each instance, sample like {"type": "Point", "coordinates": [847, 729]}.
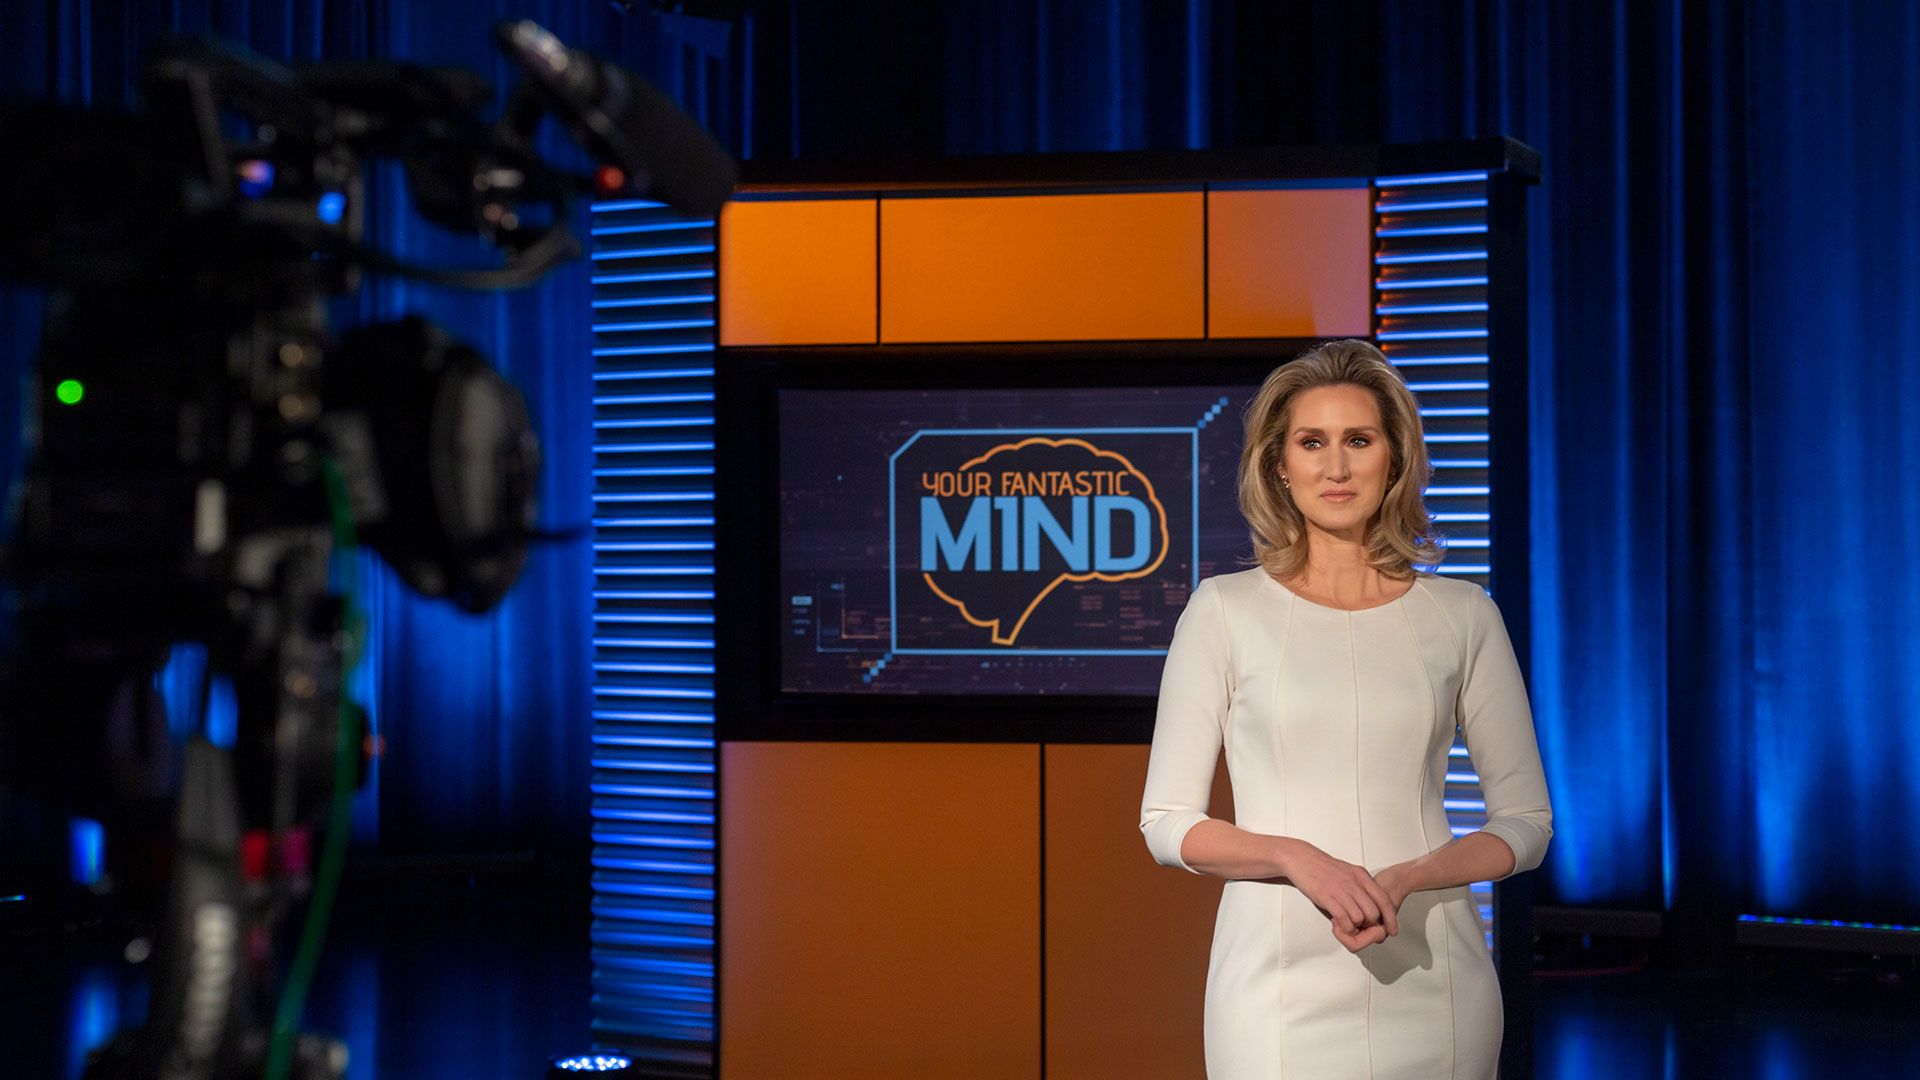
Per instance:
{"type": "Point", "coordinates": [1430, 319]}
{"type": "Point", "coordinates": [1836, 924]}
{"type": "Point", "coordinates": [653, 645]}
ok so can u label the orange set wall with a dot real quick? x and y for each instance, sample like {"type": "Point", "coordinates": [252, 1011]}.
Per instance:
{"type": "Point", "coordinates": [973, 910]}
{"type": "Point", "coordinates": [881, 915]}
{"type": "Point", "coordinates": [1101, 267]}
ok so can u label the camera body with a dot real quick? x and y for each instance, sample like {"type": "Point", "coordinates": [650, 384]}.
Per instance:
{"type": "Point", "coordinates": [174, 486]}
{"type": "Point", "coordinates": [189, 404]}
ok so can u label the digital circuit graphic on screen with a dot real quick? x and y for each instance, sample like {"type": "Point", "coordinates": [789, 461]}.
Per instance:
{"type": "Point", "coordinates": [1033, 541]}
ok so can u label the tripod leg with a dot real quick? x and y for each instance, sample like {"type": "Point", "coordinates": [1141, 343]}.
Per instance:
{"type": "Point", "coordinates": [199, 982]}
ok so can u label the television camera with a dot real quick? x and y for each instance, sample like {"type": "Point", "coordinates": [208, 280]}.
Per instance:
{"type": "Point", "coordinates": [203, 448]}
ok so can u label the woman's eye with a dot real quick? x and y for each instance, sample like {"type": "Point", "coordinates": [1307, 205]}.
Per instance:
{"type": "Point", "coordinates": [1310, 444]}
{"type": "Point", "coordinates": [1360, 440]}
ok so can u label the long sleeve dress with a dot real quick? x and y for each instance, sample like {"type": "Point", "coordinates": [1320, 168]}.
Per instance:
{"type": "Point", "coordinates": [1336, 726]}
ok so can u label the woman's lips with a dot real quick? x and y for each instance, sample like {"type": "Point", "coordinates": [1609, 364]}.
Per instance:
{"type": "Point", "coordinates": [1338, 496]}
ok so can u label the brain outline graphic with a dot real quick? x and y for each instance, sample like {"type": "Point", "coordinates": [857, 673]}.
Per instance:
{"type": "Point", "coordinates": [992, 626]}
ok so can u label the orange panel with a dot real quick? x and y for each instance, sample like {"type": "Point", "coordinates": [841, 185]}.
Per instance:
{"type": "Point", "coordinates": [1290, 263]}
{"type": "Point", "coordinates": [1127, 938]}
{"type": "Point", "coordinates": [879, 911]}
{"type": "Point", "coordinates": [797, 273]}
{"type": "Point", "coordinates": [1041, 268]}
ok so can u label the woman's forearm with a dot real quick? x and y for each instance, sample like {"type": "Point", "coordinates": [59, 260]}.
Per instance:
{"type": "Point", "coordinates": [1477, 856]}
{"type": "Point", "coordinates": [1225, 850]}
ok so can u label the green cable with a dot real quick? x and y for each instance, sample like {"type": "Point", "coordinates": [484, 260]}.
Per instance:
{"type": "Point", "coordinates": [333, 855]}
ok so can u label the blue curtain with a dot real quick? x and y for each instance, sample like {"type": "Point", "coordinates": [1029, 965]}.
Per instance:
{"type": "Point", "coordinates": [1727, 261]}
{"type": "Point", "coordinates": [1643, 542]}
{"type": "Point", "coordinates": [486, 719]}
{"type": "Point", "coordinates": [1725, 274]}
{"type": "Point", "coordinates": [866, 78]}
{"type": "Point", "coordinates": [1835, 321]}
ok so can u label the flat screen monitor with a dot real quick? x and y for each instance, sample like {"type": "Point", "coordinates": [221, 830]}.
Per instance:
{"type": "Point", "coordinates": [998, 541]}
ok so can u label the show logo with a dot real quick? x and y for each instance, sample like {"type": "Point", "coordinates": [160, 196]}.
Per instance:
{"type": "Point", "coordinates": [1039, 541]}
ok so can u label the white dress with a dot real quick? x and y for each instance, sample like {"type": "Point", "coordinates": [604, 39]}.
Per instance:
{"type": "Point", "coordinates": [1336, 726]}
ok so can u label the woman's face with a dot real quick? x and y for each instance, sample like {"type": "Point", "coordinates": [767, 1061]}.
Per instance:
{"type": "Point", "coordinates": [1337, 459]}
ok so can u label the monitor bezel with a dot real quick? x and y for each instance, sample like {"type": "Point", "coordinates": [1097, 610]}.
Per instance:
{"type": "Point", "coordinates": [750, 703]}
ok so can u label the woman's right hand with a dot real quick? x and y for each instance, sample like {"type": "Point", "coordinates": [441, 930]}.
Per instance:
{"type": "Point", "coordinates": [1361, 911]}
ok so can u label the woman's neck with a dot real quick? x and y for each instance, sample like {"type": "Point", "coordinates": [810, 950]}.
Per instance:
{"type": "Point", "coordinates": [1337, 566]}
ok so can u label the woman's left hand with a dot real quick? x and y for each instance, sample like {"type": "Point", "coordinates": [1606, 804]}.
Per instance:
{"type": "Point", "coordinates": [1394, 882]}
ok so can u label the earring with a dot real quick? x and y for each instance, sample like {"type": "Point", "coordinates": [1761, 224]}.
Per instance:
{"type": "Point", "coordinates": [1284, 482]}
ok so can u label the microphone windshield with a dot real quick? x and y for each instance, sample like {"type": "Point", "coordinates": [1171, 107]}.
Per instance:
{"type": "Point", "coordinates": [624, 121]}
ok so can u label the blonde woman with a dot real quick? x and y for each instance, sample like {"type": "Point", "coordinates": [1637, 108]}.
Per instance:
{"type": "Point", "coordinates": [1334, 674]}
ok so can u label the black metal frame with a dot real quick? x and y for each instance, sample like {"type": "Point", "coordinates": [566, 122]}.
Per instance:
{"type": "Point", "coordinates": [1119, 169]}
{"type": "Point", "coordinates": [749, 701]}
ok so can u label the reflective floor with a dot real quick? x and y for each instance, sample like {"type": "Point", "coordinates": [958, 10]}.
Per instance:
{"type": "Point", "coordinates": [421, 982]}
{"type": "Point", "coordinates": [481, 982]}
{"type": "Point", "coordinates": [1826, 1017]}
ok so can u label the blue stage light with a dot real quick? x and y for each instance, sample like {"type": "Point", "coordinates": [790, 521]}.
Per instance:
{"type": "Point", "coordinates": [1425, 179]}
{"type": "Point", "coordinates": [595, 1064]}
{"type": "Point", "coordinates": [87, 842]}
{"type": "Point", "coordinates": [1789, 920]}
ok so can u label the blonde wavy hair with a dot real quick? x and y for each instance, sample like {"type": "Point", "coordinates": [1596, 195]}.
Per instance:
{"type": "Point", "coordinates": [1401, 534]}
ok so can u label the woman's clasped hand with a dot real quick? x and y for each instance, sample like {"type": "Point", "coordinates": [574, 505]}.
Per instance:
{"type": "Point", "coordinates": [1364, 909]}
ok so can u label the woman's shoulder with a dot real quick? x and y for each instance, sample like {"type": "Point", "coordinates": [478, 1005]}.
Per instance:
{"type": "Point", "coordinates": [1446, 586]}
{"type": "Point", "coordinates": [1457, 596]}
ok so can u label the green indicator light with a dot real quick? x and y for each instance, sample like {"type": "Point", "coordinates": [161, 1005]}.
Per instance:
{"type": "Point", "coordinates": [69, 391]}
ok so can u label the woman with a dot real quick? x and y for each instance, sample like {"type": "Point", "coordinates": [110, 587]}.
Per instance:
{"type": "Point", "coordinates": [1333, 674]}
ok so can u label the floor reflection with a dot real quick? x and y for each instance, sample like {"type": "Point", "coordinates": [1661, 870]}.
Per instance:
{"type": "Point", "coordinates": [421, 983]}
{"type": "Point", "coordinates": [1822, 1016]}
{"type": "Point", "coordinates": [479, 982]}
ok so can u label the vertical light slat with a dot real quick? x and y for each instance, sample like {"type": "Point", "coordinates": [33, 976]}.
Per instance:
{"type": "Point", "coordinates": [653, 734]}
{"type": "Point", "coordinates": [1430, 319]}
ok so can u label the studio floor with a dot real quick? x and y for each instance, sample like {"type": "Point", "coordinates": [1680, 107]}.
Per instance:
{"type": "Point", "coordinates": [485, 981]}
{"type": "Point", "coordinates": [1781, 1017]}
